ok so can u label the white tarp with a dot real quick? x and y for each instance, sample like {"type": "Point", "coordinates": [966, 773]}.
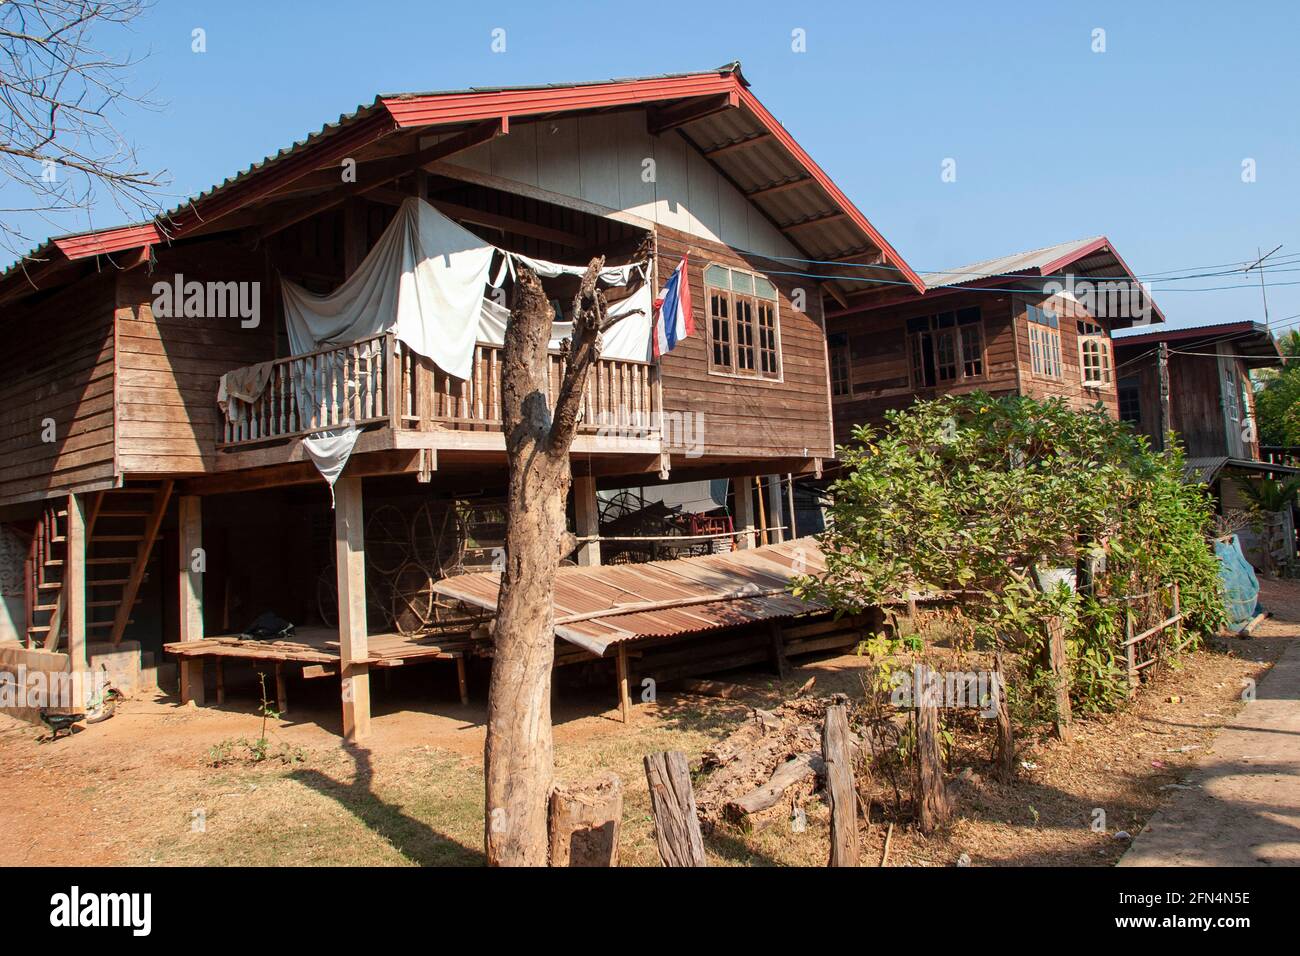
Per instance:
{"type": "Point", "coordinates": [424, 280]}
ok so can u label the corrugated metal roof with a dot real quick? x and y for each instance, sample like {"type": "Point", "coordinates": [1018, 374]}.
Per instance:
{"type": "Point", "coordinates": [776, 158]}
{"type": "Point", "coordinates": [1205, 470]}
{"type": "Point", "coordinates": [601, 606]}
{"type": "Point", "coordinates": [1032, 261]}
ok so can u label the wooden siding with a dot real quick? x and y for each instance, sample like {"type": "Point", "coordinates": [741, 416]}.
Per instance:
{"type": "Point", "coordinates": [168, 368]}
{"type": "Point", "coordinates": [879, 366]}
{"type": "Point", "coordinates": [1070, 385]}
{"type": "Point", "coordinates": [59, 365]}
{"type": "Point", "coordinates": [1195, 401]}
{"type": "Point", "coordinates": [744, 417]}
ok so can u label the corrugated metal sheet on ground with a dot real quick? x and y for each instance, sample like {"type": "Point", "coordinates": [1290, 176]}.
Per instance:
{"type": "Point", "coordinates": [601, 606]}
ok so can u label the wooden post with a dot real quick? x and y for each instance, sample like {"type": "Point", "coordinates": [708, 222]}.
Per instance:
{"type": "Point", "coordinates": [461, 680]}
{"type": "Point", "coordinates": [1162, 369]}
{"type": "Point", "coordinates": [354, 651]}
{"type": "Point", "coordinates": [624, 698]}
{"type": "Point", "coordinates": [583, 822]}
{"type": "Point", "coordinates": [586, 519]}
{"type": "Point", "coordinates": [774, 522]}
{"type": "Point", "coordinates": [1177, 614]}
{"type": "Point", "coordinates": [1058, 665]}
{"type": "Point", "coordinates": [221, 681]}
{"type": "Point", "coordinates": [762, 513]}
{"type": "Point", "coordinates": [1130, 654]}
{"type": "Point", "coordinates": [932, 805]}
{"type": "Point", "coordinates": [1004, 748]}
{"type": "Point", "coordinates": [789, 503]}
{"type": "Point", "coordinates": [777, 636]}
{"type": "Point", "coordinates": [838, 756]}
{"type": "Point", "coordinates": [744, 517]}
{"type": "Point", "coordinates": [74, 588]}
{"type": "Point", "coordinates": [672, 803]}
{"type": "Point", "coordinates": [190, 523]}
{"type": "Point", "coordinates": [281, 691]}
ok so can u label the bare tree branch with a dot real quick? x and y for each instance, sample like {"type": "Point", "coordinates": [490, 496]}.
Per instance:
{"type": "Point", "coordinates": [60, 94]}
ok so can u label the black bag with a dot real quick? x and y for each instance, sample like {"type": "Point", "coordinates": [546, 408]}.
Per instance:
{"type": "Point", "coordinates": [268, 627]}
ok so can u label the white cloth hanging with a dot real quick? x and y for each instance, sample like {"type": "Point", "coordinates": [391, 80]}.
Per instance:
{"type": "Point", "coordinates": [330, 451]}
{"type": "Point", "coordinates": [424, 280]}
{"type": "Point", "coordinates": [627, 340]}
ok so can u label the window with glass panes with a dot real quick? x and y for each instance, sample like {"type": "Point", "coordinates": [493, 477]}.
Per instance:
{"type": "Point", "coordinates": [946, 347]}
{"type": "Point", "coordinates": [1044, 341]}
{"type": "Point", "coordinates": [744, 336]}
{"type": "Point", "coordinates": [1094, 355]}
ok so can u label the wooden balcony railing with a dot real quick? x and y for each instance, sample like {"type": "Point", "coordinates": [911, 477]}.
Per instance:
{"type": "Point", "coordinates": [374, 381]}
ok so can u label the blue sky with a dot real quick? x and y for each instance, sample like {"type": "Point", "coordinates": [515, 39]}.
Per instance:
{"type": "Point", "coordinates": [1052, 141]}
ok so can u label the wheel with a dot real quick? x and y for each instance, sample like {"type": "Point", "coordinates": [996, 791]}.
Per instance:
{"type": "Point", "coordinates": [438, 538]}
{"type": "Point", "coordinates": [413, 599]}
{"type": "Point", "coordinates": [388, 540]}
{"type": "Point", "coordinates": [622, 504]}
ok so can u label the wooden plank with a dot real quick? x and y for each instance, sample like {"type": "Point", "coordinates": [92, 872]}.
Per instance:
{"type": "Point", "coordinates": [624, 700]}
{"type": "Point", "coordinates": [74, 586]}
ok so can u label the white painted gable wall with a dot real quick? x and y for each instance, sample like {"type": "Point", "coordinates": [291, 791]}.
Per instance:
{"type": "Point", "coordinates": [600, 159]}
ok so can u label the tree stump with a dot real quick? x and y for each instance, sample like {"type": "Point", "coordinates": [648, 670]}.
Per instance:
{"type": "Point", "coordinates": [1004, 749]}
{"type": "Point", "coordinates": [837, 752]}
{"type": "Point", "coordinates": [672, 802]}
{"type": "Point", "coordinates": [584, 821]}
{"type": "Point", "coordinates": [932, 804]}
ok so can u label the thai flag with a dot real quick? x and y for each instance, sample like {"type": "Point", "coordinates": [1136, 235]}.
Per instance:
{"type": "Point", "coordinates": [673, 318]}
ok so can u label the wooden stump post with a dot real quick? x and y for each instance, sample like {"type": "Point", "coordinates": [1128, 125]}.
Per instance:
{"type": "Point", "coordinates": [1058, 665]}
{"type": "Point", "coordinates": [1004, 749]}
{"type": "Point", "coordinates": [1177, 614]}
{"type": "Point", "coordinates": [672, 802]}
{"type": "Point", "coordinates": [1130, 655]}
{"type": "Point", "coordinates": [583, 822]}
{"type": "Point", "coordinates": [624, 697]}
{"type": "Point", "coordinates": [190, 533]}
{"type": "Point", "coordinates": [932, 804]}
{"type": "Point", "coordinates": [777, 637]}
{"type": "Point", "coordinates": [837, 753]}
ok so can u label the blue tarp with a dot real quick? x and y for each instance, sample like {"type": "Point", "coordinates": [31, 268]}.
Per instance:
{"type": "Point", "coordinates": [1241, 587]}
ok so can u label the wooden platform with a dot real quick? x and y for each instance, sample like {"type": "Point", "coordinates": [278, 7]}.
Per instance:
{"type": "Point", "coordinates": [320, 645]}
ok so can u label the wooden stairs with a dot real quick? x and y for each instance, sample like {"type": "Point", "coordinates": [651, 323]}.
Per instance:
{"type": "Point", "coordinates": [121, 529]}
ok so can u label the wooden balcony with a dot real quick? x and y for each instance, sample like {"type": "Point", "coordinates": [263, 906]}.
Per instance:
{"type": "Point", "coordinates": [374, 383]}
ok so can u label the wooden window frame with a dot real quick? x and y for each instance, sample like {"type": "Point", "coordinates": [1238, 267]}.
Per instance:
{"type": "Point", "coordinates": [1045, 357]}
{"type": "Point", "coordinates": [956, 333]}
{"type": "Point", "coordinates": [1094, 336]}
{"type": "Point", "coordinates": [745, 335]}
{"type": "Point", "coordinates": [838, 351]}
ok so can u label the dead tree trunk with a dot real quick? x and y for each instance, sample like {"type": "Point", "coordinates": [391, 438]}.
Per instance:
{"type": "Point", "coordinates": [1004, 750]}
{"type": "Point", "coordinates": [518, 755]}
{"type": "Point", "coordinates": [584, 822]}
{"type": "Point", "coordinates": [932, 805]}
{"type": "Point", "coordinates": [672, 802]}
{"type": "Point", "coordinates": [837, 752]}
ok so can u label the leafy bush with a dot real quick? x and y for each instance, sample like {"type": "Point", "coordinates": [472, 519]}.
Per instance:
{"type": "Point", "coordinates": [972, 493]}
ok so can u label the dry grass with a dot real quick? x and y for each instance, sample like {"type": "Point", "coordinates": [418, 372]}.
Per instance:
{"type": "Point", "coordinates": [128, 794]}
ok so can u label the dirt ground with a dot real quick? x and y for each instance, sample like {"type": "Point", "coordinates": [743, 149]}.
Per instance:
{"type": "Point", "coordinates": [142, 788]}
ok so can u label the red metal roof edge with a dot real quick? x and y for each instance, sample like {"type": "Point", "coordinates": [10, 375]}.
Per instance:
{"type": "Point", "coordinates": [106, 241]}
{"type": "Point", "coordinates": [783, 136]}
{"type": "Point", "coordinates": [438, 109]}
{"type": "Point", "coordinates": [1102, 242]}
{"type": "Point", "coordinates": [1195, 332]}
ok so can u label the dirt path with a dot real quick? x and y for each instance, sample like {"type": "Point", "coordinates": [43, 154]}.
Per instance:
{"type": "Point", "coordinates": [1240, 805]}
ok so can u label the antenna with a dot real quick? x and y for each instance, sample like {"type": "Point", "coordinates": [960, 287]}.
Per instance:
{"type": "Point", "coordinates": [1260, 263]}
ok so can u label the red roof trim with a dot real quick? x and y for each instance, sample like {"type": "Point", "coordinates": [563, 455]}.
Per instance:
{"type": "Point", "coordinates": [1195, 332]}
{"type": "Point", "coordinates": [788, 141]}
{"type": "Point", "coordinates": [108, 241]}
{"type": "Point", "coordinates": [436, 109]}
